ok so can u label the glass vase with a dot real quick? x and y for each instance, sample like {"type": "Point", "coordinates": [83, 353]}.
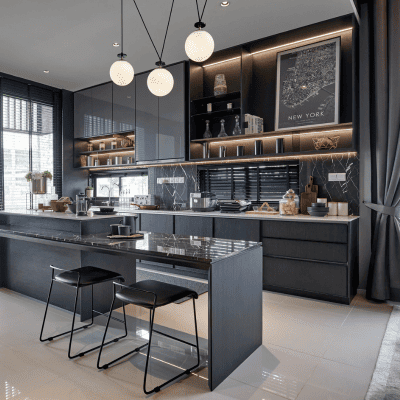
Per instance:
{"type": "Point", "coordinates": [222, 132]}
{"type": "Point", "coordinates": [207, 134]}
{"type": "Point", "coordinates": [220, 87]}
{"type": "Point", "coordinates": [236, 129]}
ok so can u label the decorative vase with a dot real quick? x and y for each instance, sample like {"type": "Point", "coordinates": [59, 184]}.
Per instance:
{"type": "Point", "coordinates": [39, 186]}
{"type": "Point", "coordinates": [220, 87]}
{"type": "Point", "coordinates": [222, 133]}
{"type": "Point", "coordinates": [236, 129]}
{"type": "Point", "coordinates": [290, 203]}
{"type": "Point", "coordinates": [207, 133]}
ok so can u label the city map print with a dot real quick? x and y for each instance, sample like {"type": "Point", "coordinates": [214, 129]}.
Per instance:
{"type": "Point", "coordinates": [307, 86]}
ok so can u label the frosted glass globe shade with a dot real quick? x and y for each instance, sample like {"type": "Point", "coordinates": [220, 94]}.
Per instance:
{"type": "Point", "coordinates": [121, 73]}
{"type": "Point", "coordinates": [199, 45]}
{"type": "Point", "coordinates": [160, 82]}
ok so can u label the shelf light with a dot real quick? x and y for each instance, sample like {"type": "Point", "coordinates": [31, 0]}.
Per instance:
{"type": "Point", "coordinates": [110, 139]}
{"type": "Point", "coordinates": [220, 62]}
{"type": "Point", "coordinates": [303, 40]}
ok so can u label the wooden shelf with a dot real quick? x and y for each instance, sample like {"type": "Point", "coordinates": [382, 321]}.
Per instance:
{"type": "Point", "coordinates": [218, 114]}
{"type": "Point", "coordinates": [266, 135]}
{"type": "Point", "coordinates": [218, 99]}
{"type": "Point", "coordinates": [108, 136]}
{"type": "Point", "coordinates": [108, 166]}
{"type": "Point", "coordinates": [119, 150]}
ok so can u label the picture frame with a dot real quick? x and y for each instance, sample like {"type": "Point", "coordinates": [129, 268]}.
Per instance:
{"type": "Point", "coordinates": [308, 85]}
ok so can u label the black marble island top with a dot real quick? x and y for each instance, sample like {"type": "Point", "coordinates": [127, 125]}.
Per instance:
{"type": "Point", "coordinates": [175, 247]}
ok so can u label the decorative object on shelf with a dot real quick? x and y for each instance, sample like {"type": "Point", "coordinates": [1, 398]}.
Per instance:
{"type": "Point", "coordinates": [89, 191]}
{"type": "Point", "coordinates": [236, 130]}
{"type": "Point", "coordinates": [222, 132]}
{"type": "Point", "coordinates": [220, 87]}
{"type": "Point", "coordinates": [343, 209]}
{"type": "Point", "coordinates": [207, 133]}
{"type": "Point", "coordinates": [206, 150]}
{"type": "Point", "coordinates": [102, 146]}
{"type": "Point", "coordinates": [280, 146]}
{"type": "Point", "coordinates": [289, 204]}
{"type": "Point", "coordinates": [60, 205]}
{"type": "Point", "coordinates": [323, 200]}
{"type": "Point", "coordinates": [38, 181]}
{"type": "Point", "coordinates": [264, 209]}
{"type": "Point", "coordinates": [310, 196]}
{"type": "Point", "coordinates": [126, 142]}
{"type": "Point", "coordinates": [90, 161]}
{"type": "Point", "coordinates": [109, 161]}
{"type": "Point", "coordinates": [209, 107]}
{"type": "Point", "coordinates": [307, 87]}
{"type": "Point", "coordinates": [129, 160]}
{"type": "Point", "coordinates": [117, 160]}
{"type": "Point", "coordinates": [326, 143]}
{"type": "Point", "coordinates": [96, 162]}
{"type": "Point", "coordinates": [82, 205]}
{"type": "Point", "coordinates": [83, 160]}
{"type": "Point", "coordinates": [253, 124]}
{"type": "Point", "coordinates": [229, 106]}
{"type": "Point", "coordinates": [240, 151]}
{"type": "Point", "coordinates": [222, 151]}
{"type": "Point", "coordinates": [318, 210]}
{"type": "Point", "coordinates": [113, 145]}
{"type": "Point", "coordinates": [199, 45]}
{"type": "Point", "coordinates": [333, 208]}
{"type": "Point", "coordinates": [160, 81]}
{"type": "Point", "coordinates": [121, 72]}
{"type": "Point", "coordinates": [90, 147]}
{"type": "Point", "coordinates": [258, 148]}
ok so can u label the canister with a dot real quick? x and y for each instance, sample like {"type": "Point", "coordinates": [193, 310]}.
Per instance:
{"type": "Point", "coordinates": [102, 146]}
{"type": "Point", "coordinates": [90, 161]}
{"type": "Point", "coordinates": [206, 150]}
{"type": "Point", "coordinates": [343, 209]}
{"type": "Point", "coordinates": [229, 106]}
{"type": "Point", "coordinates": [279, 146]}
{"type": "Point", "coordinates": [209, 107]}
{"type": "Point", "coordinates": [129, 160]}
{"type": "Point", "coordinates": [113, 144]}
{"type": "Point", "coordinates": [90, 147]}
{"type": "Point", "coordinates": [240, 151]}
{"type": "Point", "coordinates": [333, 208]}
{"type": "Point", "coordinates": [117, 160]}
{"type": "Point", "coordinates": [222, 151]}
{"type": "Point", "coordinates": [96, 162]}
{"type": "Point", "coordinates": [323, 200]}
{"type": "Point", "coordinates": [258, 147]}
{"type": "Point", "coordinates": [109, 161]}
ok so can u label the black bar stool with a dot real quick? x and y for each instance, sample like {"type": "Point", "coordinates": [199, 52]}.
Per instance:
{"type": "Point", "coordinates": [78, 278]}
{"type": "Point", "coordinates": [151, 295]}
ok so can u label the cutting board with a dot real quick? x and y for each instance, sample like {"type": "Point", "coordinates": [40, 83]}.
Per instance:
{"type": "Point", "coordinates": [309, 197]}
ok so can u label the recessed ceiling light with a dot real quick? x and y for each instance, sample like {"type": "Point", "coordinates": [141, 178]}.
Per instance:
{"type": "Point", "coordinates": [225, 3]}
{"type": "Point", "coordinates": [46, 71]}
{"type": "Point", "coordinates": [116, 44]}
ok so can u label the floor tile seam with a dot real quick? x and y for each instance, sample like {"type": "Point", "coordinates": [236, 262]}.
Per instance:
{"type": "Point", "coordinates": [262, 388]}
{"type": "Point", "coordinates": [297, 351]}
{"type": "Point", "coordinates": [347, 364]}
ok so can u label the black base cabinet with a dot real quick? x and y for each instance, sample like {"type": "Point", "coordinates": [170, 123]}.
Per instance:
{"type": "Point", "coordinates": [311, 259]}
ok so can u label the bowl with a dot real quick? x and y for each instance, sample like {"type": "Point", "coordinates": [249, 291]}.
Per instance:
{"type": "Point", "coordinates": [106, 209]}
{"type": "Point", "coordinates": [318, 205]}
{"type": "Point", "coordinates": [58, 206]}
{"type": "Point", "coordinates": [318, 211]}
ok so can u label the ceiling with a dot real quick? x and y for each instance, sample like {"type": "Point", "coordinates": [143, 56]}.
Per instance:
{"type": "Point", "coordinates": [73, 38]}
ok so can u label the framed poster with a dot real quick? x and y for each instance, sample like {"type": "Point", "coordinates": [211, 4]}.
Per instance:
{"type": "Point", "coordinates": [307, 88]}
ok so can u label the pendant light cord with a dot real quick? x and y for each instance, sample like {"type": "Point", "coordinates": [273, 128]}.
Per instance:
{"type": "Point", "coordinates": [198, 11]}
{"type": "Point", "coordinates": [166, 32]}
{"type": "Point", "coordinates": [122, 29]}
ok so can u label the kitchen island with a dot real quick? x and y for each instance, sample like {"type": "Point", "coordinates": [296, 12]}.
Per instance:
{"type": "Point", "coordinates": [234, 270]}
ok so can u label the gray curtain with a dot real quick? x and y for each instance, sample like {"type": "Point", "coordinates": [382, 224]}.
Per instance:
{"type": "Point", "coordinates": [380, 54]}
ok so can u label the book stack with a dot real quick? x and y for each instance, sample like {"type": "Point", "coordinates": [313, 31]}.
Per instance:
{"type": "Point", "coordinates": [234, 206]}
{"type": "Point", "coordinates": [254, 124]}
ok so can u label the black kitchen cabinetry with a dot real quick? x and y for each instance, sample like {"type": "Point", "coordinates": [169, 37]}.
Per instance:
{"type": "Point", "coordinates": [193, 226]}
{"type": "Point", "coordinates": [82, 113]}
{"type": "Point", "coordinates": [237, 229]}
{"type": "Point", "coordinates": [161, 121]}
{"type": "Point", "coordinates": [124, 108]}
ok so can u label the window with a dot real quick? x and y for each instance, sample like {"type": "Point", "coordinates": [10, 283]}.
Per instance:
{"type": "Point", "coordinates": [125, 186]}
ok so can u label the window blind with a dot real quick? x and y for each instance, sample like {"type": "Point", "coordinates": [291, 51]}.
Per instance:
{"type": "Point", "coordinates": [255, 182]}
{"type": "Point", "coordinates": [30, 137]}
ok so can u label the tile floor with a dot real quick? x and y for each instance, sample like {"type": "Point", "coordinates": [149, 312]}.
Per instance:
{"type": "Point", "coordinates": [311, 350]}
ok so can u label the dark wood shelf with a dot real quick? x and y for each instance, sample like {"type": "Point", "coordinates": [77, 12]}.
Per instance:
{"type": "Point", "coordinates": [108, 136]}
{"type": "Point", "coordinates": [266, 135]}
{"type": "Point", "coordinates": [119, 150]}
{"type": "Point", "coordinates": [108, 166]}
{"type": "Point", "coordinates": [218, 114]}
{"type": "Point", "coordinates": [218, 99]}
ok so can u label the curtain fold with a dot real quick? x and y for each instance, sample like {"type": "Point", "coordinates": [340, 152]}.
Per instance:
{"type": "Point", "coordinates": [383, 17]}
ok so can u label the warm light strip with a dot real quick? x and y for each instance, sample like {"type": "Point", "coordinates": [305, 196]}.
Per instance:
{"type": "Point", "coordinates": [220, 62]}
{"type": "Point", "coordinates": [233, 161]}
{"type": "Point", "coordinates": [303, 40]}
{"type": "Point", "coordinates": [111, 152]}
{"type": "Point", "coordinates": [111, 138]}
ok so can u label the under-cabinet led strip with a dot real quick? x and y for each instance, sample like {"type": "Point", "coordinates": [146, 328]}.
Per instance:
{"type": "Point", "coordinates": [220, 62]}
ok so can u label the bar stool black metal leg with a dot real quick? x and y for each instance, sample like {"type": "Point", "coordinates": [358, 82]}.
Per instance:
{"type": "Point", "coordinates": [45, 312]}
{"type": "Point", "coordinates": [197, 336]}
{"type": "Point", "coordinates": [157, 389]}
{"type": "Point", "coordinates": [73, 323]}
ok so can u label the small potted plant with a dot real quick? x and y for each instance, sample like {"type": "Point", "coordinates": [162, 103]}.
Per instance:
{"type": "Point", "coordinates": [47, 174]}
{"type": "Point", "coordinates": [39, 181]}
{"type": "Point", "coordinates": [89, 192]}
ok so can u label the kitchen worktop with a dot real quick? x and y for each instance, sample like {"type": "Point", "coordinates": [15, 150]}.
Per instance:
{"type": "Point", "coordinates": [218, 214]}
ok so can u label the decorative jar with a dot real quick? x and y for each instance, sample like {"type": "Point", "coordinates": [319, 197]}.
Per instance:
{"type": "Point", "coordinates": [220, 87]}
{"type": "Point", "coordinates": [289, 204]}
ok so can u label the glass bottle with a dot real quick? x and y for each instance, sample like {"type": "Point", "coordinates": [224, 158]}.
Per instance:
{"type": "Point", "coordinates": [220, 87]}
{"type": "Point", "coordinates": [207, 133]}
{"type": "Point", "coordinates": [236, 129]}
{"type": "Point", "coordinates": [222, 133]}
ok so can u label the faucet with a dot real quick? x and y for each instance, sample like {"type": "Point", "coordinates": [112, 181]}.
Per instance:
{"type": "Point", "coordinates": [109, 187]}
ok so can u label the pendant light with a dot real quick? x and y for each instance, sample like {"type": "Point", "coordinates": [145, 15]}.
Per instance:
{"type": "Point", "coordinates": [199, 45]}
{"type": "Point", "coordinates": [160, 81]}
{"type": "Point", "coordinates": [121, 72]}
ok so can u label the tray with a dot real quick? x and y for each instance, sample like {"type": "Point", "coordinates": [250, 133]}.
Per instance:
{"type": "Point", "coordinates": [131, 237]}
{"type": "Point", "coordinates": [265, 209]}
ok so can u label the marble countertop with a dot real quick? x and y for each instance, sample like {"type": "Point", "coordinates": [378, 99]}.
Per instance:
{"type": "Point", "coordinates": [65, 215]}
{"type": "Point", "coordinates": [176, 247]}
{"type": "Point", "coordinates": [218, 214]}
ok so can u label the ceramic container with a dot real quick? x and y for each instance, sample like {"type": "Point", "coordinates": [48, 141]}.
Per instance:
{"type": "Point", "coordinates": [343, 209]}
{"type": "Point", "coordinates": [333, 208]}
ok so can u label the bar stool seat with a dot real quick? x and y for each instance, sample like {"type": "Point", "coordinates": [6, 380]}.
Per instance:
{"type": "Point", "coordinates": [166, 294]}
{"type": "Point", "coordinates": [87, 276]}
{"type": "Point", "coordinates": [151, 295]}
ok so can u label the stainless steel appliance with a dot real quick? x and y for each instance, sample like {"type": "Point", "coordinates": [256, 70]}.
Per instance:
{"type": "Point", "coordinates": [82, 205]}
{"type": "Point", "coordinates": [203, 201]}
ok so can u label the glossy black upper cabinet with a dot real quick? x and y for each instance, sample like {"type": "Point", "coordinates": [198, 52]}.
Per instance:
{"type": "Point", "coordinates": [83, 113]}
{"type": "Point", "coordinates": [124, 107]}
{"type": "Point", "coordinates": [171, 131]}
{"type": "Point", "coordinates": [146, 133]}
{"type": "Point", "coordinates": [102, 109]}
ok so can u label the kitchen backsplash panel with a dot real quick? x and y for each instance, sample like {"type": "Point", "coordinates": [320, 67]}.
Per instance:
{"type": "Point", "coordinates": [320, 167]}
{"type": "Point", "coordinates": [173, 192]}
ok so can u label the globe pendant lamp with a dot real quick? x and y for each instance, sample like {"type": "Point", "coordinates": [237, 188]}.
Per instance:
{"type": "Point", "coordinates": [121, 72]}
{"type": "Point", "coordinates": [160, 81]}
{"type": "Point", "coordinates": [199, 45]}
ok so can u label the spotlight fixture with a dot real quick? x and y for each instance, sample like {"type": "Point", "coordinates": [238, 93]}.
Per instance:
{"type": "Point", "coordinates": [225, 3]}
{"type": "Point", "coordinates": [116, 44]}
{"type": "Point", "coordinates": [121, 72]}
{"type": "Point", "coordinates": [46, 71]}
{"type": "Point", "coordinates": [160, 81]}
{"type": "Point", "coordinates": [199, 45]}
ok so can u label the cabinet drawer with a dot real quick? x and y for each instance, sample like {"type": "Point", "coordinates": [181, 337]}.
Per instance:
{"type": "Point", "coordinates": [313, 231]}
{"type": "Point", "coordinates": [237, 229]}
{"type": "Point", "coordinates": [193, 226]}
{"type": "Point", "coordinates": [336, 252]}
{"type": "Point", "coordinates": [157, 223]}
{"type": "Point", "coordinates": [306, 275]}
